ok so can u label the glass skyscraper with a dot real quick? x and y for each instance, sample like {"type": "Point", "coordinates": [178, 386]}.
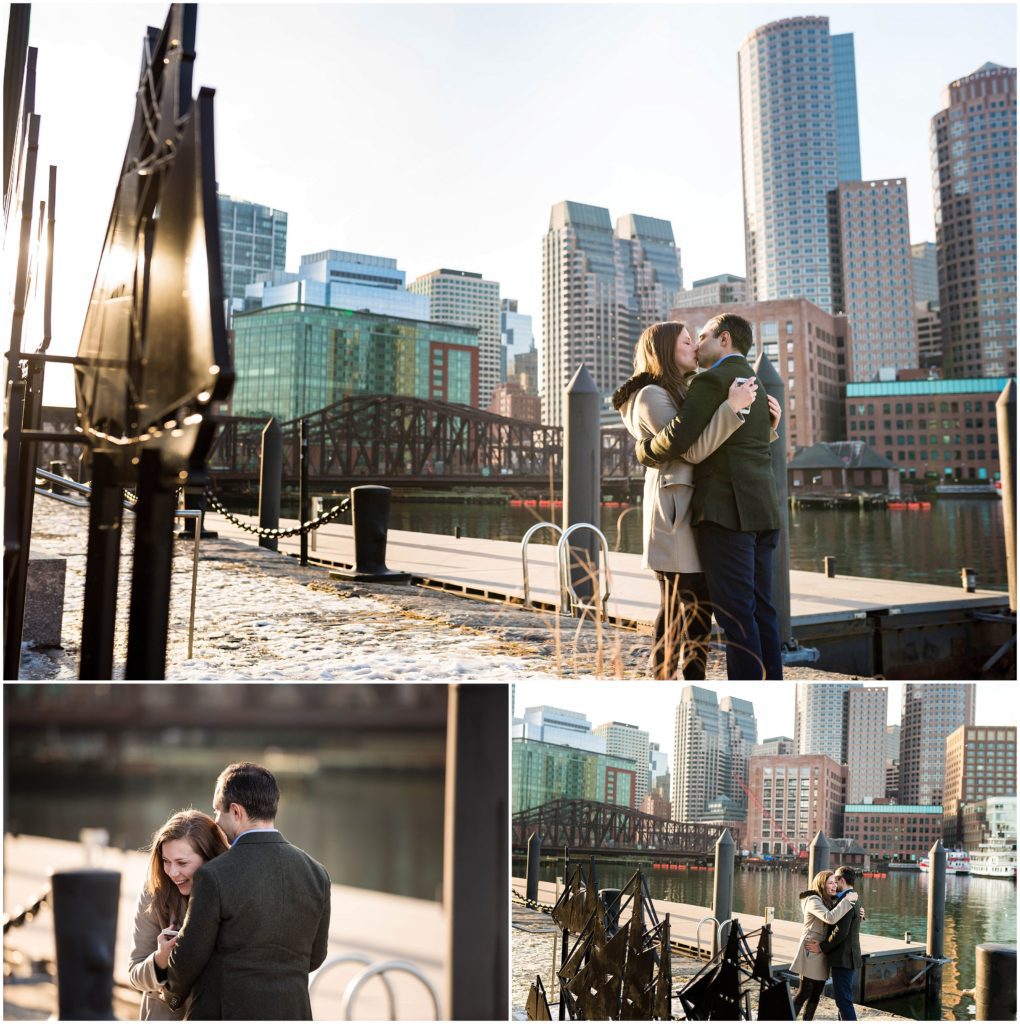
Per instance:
{"type": "Point", "coordinates": [253, 240]}
{"type": "Point", "coordinates": [973, 151]}
{"type": "Point", "coordinates": [292, 360]}
{"type": "Point", "coordinates": [799, 139]}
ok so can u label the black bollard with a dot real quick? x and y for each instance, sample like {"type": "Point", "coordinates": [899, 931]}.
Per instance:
{"type": "Point", "coordinates": [818, 856]}
{"type": "Point", "coordinates": [270, 479]}
{"type": "Point", "coordinates": [995, 989]}
{"type": "Point", "coordinates": [582, 486]}
{"type": "Point", "coordinates": [722, 892]}
{"type": "Point", "coordinates": [611, 903]}
{"type": "Point", "coordinates": [829, 562]}
{"type": "Point", "coordinates": [370, 514]}
{"type": "Point", "coordinates": [85, 907]}
{"type": "Point", "coordinates": [936, 929]}
{"type": "Point", "coordinates": [304, 498]}
{"type": "Point", "coordinates": [534, 858]}
{"type": "Point", "coordinates": [195, 500]}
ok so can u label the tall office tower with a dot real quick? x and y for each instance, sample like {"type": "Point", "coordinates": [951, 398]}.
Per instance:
{"type": "Point", "coordinates": [600, 287]}
{"type": "Point", "coordinates": [712, 291]}
{"type": "Point", "coordinates": [711, 746]}
{"type": "Point", "coordinates": [546, 724]}
{"type": "Point", "coordinates": [973, 147]}
{"type": "Point", "coordinates": [818, 718]}
{"type": "Point", "coordinates": [892, 761]}
{"type": "Point", "coordinates": [873, 281]}
{"type": "Point", "coordinates": [658, 768]}
{"type": "Point", "coordinates": [651, 264]}
{"type": "Point", "coordinates": [928, 320]}
{"type": "Point", "coordinates": [517, 339]}
{"type": "Point", "coordinates": [980, 762]}
{"type": "Point", "coordinates": [253, 240]}
{"type": "Point", "coordinates": [864, 742]}
{"type": "Point", "coordinates": [925, 269]}
{"type": "Point", "coordinates": [461, 297]}
{"type": "Point", "coordinates": [798, 115]}
{"type": "Point", "coordinates": [931, 711]}
{"type": "Point", "coordinates": [628, 741]}
{"type": "Point", "coordinates": [340, 280]}
{"type": "Point", "coordinates": [773, 746]}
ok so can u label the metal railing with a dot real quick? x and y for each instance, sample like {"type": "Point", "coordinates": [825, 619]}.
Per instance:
{"type": "Point", "coordinates": [570, 601]}
{"type": "Point", "coordinates": [372, 970]}
{"type": "Point", "coordinates": [181, 513]}
{"type": "Point", "coordinates": [524, 559]}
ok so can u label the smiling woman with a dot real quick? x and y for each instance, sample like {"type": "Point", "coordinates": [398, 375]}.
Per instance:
{"type": "Point", "coordinates": [179, 848]}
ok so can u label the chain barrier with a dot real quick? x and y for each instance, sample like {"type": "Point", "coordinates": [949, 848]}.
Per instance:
{"type": "Point", "coordinates": [260, 531]}
{"type": "Point", "coordinates": [25, 914]}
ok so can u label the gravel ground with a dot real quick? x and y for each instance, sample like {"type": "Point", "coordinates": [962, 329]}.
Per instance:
{"type": "Point", "coordinates": [260, 615]}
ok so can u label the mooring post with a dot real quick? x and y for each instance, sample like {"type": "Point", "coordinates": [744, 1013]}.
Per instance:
{"type": "Point", "coordinates": [534, 864]}
{"type": "Point", "coordinates": [270, 479]}
{"type": "Point", "coordinates": [475, 870]}
{"type": "Point", "coordinates": [304, 502]}
{"type": "Point", "coordinates": [773, 384]}
{"type": "Point", "coordinates": [818, 856]}
{"type": "Point", "coordinates": [722, 892]}
{"type": "Point", "coordinates": [1005, 418]}
{"type": "Point", "coordinates": [370, 517]}
{"type": "Point", "coordinates": [582, 442]}
{"type": "Point", "coordinates": [995, 988]}
{"type": "Point", "coordinates": [85, 905]}
{"type": "Point", "coordinates": [829, 564]}
{"type": "Point", "coordinates": [936, 927]}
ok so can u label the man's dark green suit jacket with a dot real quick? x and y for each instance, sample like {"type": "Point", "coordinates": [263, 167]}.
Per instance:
{"type": "Point", "coordinates": [734, 486]}
{"type": "Point", "coordinates": [257, 925]}
{"type": "Point", "coordinates": [843, 945]}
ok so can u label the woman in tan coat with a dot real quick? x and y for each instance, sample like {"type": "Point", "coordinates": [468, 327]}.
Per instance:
{"type": "Point", "coordinates": [179, 848]}
{"type": "Point", "coordinates": [664, 362]}
{"type": "Point", "coordinates": [820, 913]}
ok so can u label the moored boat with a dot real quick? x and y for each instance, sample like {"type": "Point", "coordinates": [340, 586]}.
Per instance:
{"type": "Point", "coordinates": [957, 862]}
{"type": "Point", "coordinates": [995, 858]}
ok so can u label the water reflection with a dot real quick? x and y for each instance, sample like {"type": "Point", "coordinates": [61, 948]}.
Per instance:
{"type": "Point", "coordinates": [977, 910]}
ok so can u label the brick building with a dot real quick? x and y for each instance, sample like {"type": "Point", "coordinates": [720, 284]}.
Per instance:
{"type": "Point", "coordinates": [980, 762]}
{"type": "Point", "coordinates": [897, 831]}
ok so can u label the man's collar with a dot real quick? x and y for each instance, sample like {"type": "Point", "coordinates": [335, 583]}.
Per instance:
{"type": "Point", "coordinates": [729, 355]}
{"type": "Point", "coordinates": [251, 832]}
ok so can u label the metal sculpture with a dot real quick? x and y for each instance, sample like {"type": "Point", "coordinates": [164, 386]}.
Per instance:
{"type": "Point", "coordinates": [538, 1005]}
{"type": "Point", "coordinates": [721, 989]}
{"type": "Point", "coordinates": [153, 354]}
{"type": "Point", "coordinates": [620, 976]}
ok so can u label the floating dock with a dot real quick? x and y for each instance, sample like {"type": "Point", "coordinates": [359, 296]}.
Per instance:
{"type": "Point", "coordinates": [866, 627]}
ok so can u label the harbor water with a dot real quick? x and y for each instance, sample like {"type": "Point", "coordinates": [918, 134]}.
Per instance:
{"type": "Point", "coordinates": [977, 910]}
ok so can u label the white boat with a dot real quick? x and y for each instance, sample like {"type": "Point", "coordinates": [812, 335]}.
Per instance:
{"type": "Point", "coordinates": [957, 862]}
{"type": "Point", "coordinates": [995, 858]}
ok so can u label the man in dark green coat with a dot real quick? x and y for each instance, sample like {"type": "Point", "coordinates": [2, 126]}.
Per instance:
{"type": "Point", "coordinates": [842, 947]}
{"type": "Point", "coordinates": [734, 511]}
{"type": "Point", "coordinates": [258, 917]}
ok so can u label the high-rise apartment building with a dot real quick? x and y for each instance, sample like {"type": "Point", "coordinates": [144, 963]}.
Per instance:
{"type": "Point", "coordinates": [798, 118]}
{"type": "Point", "coordinates": [253, 240]}
{"type": "Point", "coordinates": [925, 268]}
{"type": "Point", "coordinates": [931, 711]}
{"type": "Point", "coordinates": [628, 741]}
{"type": "Point", "coordinates": [873, 275]}
{"type": "Point", "coordinates": [980, 763]}
{"type": "Point", "coordinates": [973, 150]}
{"type": "Point", "coordinates": [864, 742]}
{"type": "Point", "coordinates": [807, 347]}
{"type": "Point", "coordinates": [713, 291]}
{"type": "Point", "coordinates": [712, 743]}
{"type": "Point", "coordinates": [517, 339]}
{"type": "Point", "coordinates": [792, 799]}
{"type": "Point", "coordinates": [600, 288]}
{"type": "Point", "coordinates": [465, 298]}
{"type": "Point", "coordinates": [818, 718]}
{"type": "Point", "coordinates": [340, 280]}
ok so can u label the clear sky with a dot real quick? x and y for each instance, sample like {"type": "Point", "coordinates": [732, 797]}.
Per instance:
{"type": "Point", "coordinates": [441, 135]}
{"type": "Point", "coordinates": [652, 705]}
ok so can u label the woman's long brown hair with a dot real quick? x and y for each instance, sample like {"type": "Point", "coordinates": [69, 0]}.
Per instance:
{"type": "Point", "coordinates": [655, 354]}
{"type": "Point", "coordinates": [818, 884]}
{"type": "Point", "coordinates": [206, 839]}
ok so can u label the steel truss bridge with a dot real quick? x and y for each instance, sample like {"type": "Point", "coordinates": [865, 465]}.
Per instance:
{"type": "Point", "coordinates": [399, 441]}
{"type": "Point", "coordinates": [586, 826]}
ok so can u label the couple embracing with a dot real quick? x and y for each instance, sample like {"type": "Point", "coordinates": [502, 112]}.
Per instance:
{"type": "Point", "coordinates": [232, 918]}
{"type": "Point", "coordinates": [711, 515]}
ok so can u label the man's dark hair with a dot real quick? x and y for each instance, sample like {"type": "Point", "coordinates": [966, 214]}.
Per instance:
{"type": "Point", "coordinates": [739, 328]}
{"type": "Point", "coordinates": [251, 786]}
{"type": "Point", "coordinates": [847, 873]}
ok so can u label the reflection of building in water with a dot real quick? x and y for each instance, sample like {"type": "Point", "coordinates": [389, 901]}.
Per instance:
{"type": "Point", "coordinates": [952, 986]}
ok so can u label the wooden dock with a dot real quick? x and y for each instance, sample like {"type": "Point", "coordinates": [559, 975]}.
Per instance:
{"type": "Point", "coordinates": [889, 962]}
{"type": "Point", "coordinates": [379, 925]}
{"type": "Point", "coordinates": [868, 627]}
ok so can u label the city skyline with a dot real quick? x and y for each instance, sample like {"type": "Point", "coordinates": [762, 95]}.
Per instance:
{"type": "Point", "coordinates": [377, 176]}
{"type": "Point", "coordinates": [652, 706]}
